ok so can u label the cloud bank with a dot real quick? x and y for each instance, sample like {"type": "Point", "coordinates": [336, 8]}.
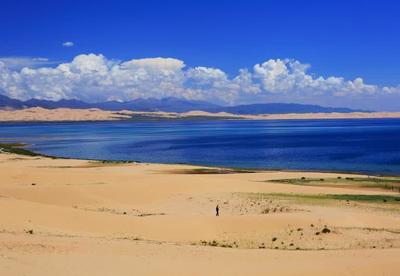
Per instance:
{"type": "Point", "coordinates": [17, 63]}
{"type": "Point", "coordinates": [94, 78]}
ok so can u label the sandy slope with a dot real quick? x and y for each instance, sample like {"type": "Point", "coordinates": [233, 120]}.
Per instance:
{"type": "Point", "coordinates": [90, 218]}
{"type": "Point", "coordinates": [62, 114]}
{"type": "Point", "coordinates": [67, 114]}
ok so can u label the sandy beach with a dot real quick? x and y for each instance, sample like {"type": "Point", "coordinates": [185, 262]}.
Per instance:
{"type": "Point", "coordinates": [78, 217]}
{"type": "Point", "coordinates": [38, 114]}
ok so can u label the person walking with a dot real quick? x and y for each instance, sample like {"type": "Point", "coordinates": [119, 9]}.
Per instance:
{"type": "Point", "coordinates": [217, 211]}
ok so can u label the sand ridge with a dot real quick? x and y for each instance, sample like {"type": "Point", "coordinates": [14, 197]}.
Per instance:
{"type": "Point", "coordinates": [39, 114]}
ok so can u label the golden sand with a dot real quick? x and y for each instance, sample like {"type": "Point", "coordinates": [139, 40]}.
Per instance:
{"type": "Point", "coordinates": [94, 114]}
{"type": "Point", "coordinates": [77, 217]}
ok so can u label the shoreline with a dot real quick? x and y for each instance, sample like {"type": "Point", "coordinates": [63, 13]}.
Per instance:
{"type": "Point", "coordinates": [29, 152]}
{"type": "Point", "coordinates": [197, 119]}
{"type": "Point", "coordinates": [154, 215]}
{"type": "Point", "coordinates": [80, 115]}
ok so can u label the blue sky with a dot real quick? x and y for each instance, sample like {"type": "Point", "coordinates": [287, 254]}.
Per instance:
{"type": "Point", "coordinates": [343, 39]}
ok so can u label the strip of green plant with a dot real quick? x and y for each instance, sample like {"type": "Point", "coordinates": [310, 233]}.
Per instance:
{"type": "Point", "coordinates": [17, 148]}
{"type": "Point", "coordinates": [215, 171]}
{"type": "Point", "coordinates": [114, 161]}
{"type": "Point", "coordinates": [319, 197]}
{"type": "Point", "coordinates": [371, 182]}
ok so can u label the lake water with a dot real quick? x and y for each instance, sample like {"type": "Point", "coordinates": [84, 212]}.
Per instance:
{"type": "Point", "coordinates": [360, 145]}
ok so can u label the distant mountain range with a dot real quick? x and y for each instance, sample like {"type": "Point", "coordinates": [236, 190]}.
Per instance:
{"type": "Point", "coordinates": [172, 104]}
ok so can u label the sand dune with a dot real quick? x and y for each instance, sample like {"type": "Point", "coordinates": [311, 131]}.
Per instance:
{"type": "Point", "coordinates": [66, 114]}
{"type": "Point", "coordinates": [76, 217]}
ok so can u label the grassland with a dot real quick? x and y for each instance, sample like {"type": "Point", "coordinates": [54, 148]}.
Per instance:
{"type": "Point", "coordinates": [390, 203]}
{"type": "Point", "coordinates": [383, 183]}
{"type": "Point", "coordinates": [390, 199]}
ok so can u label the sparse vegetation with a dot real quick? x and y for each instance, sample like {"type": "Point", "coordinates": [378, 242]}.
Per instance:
{"type": "Point", "coordinates": [292, 202]}
{"type": "Point", "coordinates": [150, 214]}
{"type": "Point", "coordinates": [215, 243]}
{"type": "Point", "coordinates": [212, 171]}
{"type": "Point", "coordinates": [310, 198]}
{"type": "Point", "coordinates": [115, 161]}
{"type": "Point", "coordinates": [18, 148]}
{"type": "Point", "coordinates": [326, 230]}
{"type": "Point", "coordinates": [384, 183]}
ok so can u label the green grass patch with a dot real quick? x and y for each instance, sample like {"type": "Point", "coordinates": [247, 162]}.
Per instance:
{"type": "Point", "coordinates": [320, 198]}
{"type": "Point", "coordinates": [17, 148]}
{"type": "Point", "coordinates": [114, 161]}
{"type": "Point", "coordinates": [365, 198]}
{"type": "Point", "coordinates": [211, 171]}
{"type": "Point", "coordinates": [385, 183]}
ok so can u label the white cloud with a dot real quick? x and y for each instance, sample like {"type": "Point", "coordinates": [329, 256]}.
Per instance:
{"type": "Point", "coordinates": [391, 90]}
{"type": "Point", "coordinates": [93, 77]}
{"type": "Point", "coordinates": [288, 76]}
{"type": "Point", "coordinates": [68, 44]}
{"type": "Point", "coordinates": [16, 63]}
{"type": "Point", "coordinates": [155, 64]}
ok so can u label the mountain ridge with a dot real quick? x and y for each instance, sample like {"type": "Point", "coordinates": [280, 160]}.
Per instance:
{"type": "Point", "coordinates": [172, 104]}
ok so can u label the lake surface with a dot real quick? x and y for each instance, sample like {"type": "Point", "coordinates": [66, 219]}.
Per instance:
{"type": "Point", "coordinates": [359, 145]}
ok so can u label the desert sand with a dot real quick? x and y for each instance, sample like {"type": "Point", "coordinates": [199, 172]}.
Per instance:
{"type": "Point", "coordinates": [78, 217]}
{"type": "Point", "coordinates": [61, 114]}
{"type": "Point", "coordinates": [39, 114]}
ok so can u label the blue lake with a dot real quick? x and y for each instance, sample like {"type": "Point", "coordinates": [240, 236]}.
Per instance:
{"type": "Point", "coordinates": [359, 145]}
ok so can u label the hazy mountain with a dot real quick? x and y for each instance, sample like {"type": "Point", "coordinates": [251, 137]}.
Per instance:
{"type": "Point", "coordinates": [171, 104]}
{"type": "Point", "coordinates": [279, 108]}
{"type": "Point", "coordinates": [10, 103]}
{"type": "Point", "coordinates": [58, 104]}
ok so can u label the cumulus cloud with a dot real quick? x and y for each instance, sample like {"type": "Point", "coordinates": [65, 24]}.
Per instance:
{"type": "Point", "coordinates": [288, 76]}
{"type": "Point", "coordinates": [68, 44]}
{"type": "Point", "coordinates": [92, 77]}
